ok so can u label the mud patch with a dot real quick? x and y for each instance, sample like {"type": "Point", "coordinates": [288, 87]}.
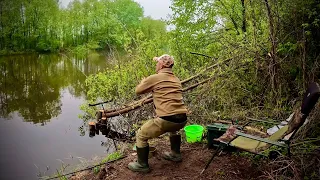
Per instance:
{"type": "Point", "coordinates": [195, 156]}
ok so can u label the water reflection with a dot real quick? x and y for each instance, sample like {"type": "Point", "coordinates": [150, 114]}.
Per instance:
{"type": "Point", "coordinates": [39, 89]}
{"type": "Point", "coordinates": [31, 84]}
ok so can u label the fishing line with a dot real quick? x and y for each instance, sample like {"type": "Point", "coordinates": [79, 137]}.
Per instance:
{"type": "Point", "coordinates": [87, 168]}
{"type": "Point", "coordinates": [134, 40]}
{"type": "Point", "coordinates": [73, 64]}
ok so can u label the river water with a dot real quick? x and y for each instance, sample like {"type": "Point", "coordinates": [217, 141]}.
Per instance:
{"type": "Point", "coordinates": [40, 126]}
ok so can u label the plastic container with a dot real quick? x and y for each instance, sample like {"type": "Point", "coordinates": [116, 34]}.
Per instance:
{"type": "Point", "coordinates": [215, 130]}
{"type": "Point", "coordinates": [193, 133]}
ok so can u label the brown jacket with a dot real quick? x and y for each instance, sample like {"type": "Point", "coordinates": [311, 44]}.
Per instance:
{"type": "Point", "coordinates": [166, 90]}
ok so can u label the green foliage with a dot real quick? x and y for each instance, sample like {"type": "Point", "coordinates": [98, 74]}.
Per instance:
{"type": "Point", "coordinates": [96, 170]}
{"type": "Point", "coordinates": [80, 50]}
{"type": "Point", "coordinates": [217, 28]}
{"type": "Point", "coordinates": [113, 156]}
{"type": "Point", "coordinates": [119, 83]}
{"type": "Point", "coordinates": [59, 174]}
{"type": "Point", "coordinates": [44, 27]}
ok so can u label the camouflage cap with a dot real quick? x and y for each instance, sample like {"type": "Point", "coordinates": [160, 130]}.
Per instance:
{"type": "Point", "coordinates": [167, 60]}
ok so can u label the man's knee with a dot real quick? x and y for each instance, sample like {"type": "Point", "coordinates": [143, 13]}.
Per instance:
{"type": "Point", "coordinates": [151, 129]}
{"type": "Point", "coordinates": [141, 140]}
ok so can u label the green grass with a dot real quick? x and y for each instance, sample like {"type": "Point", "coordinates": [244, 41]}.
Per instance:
{"type": "Point", "coordinates": [110, 157]}
{"type": "Point", "coordinates": [61, 177]}
{"type": "Point", "coordinates": [113, 156]}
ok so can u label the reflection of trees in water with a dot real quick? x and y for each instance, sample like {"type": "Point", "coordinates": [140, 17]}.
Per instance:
{"type": "Point", "coordinates": [31, 85]}
{"type": "Point", "coordinates": [84, 66]}
{"type": "Point", "coordinates": [27, 87]}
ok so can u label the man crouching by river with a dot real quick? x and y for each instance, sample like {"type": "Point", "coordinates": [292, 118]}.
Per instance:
{"type": "Point", "coordinates": [166, 90]}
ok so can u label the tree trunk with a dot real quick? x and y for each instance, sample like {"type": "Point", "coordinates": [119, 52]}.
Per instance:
{"type": "Point", "coordinates": [232, 19]}
{"type": "Point", "coordinates": [1, 27]}
{"type": "Point", "coordinates": [254, 25]}
{"type": "Point", "coordinates": [303, 60]}
{"type": "Point", "coordinates": [23, 26]}
{"type": "Point", "coordinates": [273, 56]}
{"type": "Point", "coordinates": [244, 29]}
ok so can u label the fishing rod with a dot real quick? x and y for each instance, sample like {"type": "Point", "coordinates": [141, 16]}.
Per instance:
{"type": "Point", "coordinates": [199, 54]}
{"type": "Point", "coordinates": [87, 168]}
{"type": "Point", "coordinates": [100, 103]}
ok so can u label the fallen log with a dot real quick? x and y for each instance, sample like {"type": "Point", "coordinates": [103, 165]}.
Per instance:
{"type": "Point", "coordinates": [149, 100]}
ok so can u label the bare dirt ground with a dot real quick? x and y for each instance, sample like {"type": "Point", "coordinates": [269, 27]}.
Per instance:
{"type": "Point", "coordinates": [195, 156]}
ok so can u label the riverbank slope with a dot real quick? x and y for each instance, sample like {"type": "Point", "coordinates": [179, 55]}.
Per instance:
{"type": "Point", "coordinates": [225, 166]}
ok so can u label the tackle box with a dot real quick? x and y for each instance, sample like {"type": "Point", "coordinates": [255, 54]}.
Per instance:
{"type": "Point", "coordinates": [215, 130]}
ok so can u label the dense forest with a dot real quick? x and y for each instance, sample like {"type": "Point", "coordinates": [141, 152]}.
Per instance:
{"type": "Point", "coordinates": [272, 48]}
{"type": "Point", "coordinates": [35, 25]}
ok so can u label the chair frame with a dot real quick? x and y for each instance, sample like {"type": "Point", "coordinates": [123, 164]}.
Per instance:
{"type": "Point", "coordinates": [307, 105]}
{"type": "Point", "coordinates": [286, 143]}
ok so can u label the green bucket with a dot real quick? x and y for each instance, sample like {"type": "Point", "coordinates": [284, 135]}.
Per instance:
{"type": "Point", "coordinates": [193, 133]}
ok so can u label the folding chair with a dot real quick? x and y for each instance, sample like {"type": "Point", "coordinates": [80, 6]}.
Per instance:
{"type": "Point", "coordinates": [284, 135]}
{"type": "Point", "coordinates": [281, 138]}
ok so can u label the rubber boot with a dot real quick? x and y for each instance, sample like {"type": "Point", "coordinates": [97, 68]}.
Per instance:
{"type": "Point", "coordinates": [141, 165]}
{"type": "Point", "coordinates": [174, 155]}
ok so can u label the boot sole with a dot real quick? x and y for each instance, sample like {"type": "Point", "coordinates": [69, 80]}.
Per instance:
{"type": "Point", "coordinates": [140, 170]}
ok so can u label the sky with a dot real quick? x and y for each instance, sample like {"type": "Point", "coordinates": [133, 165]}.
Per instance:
{"type": "Point", "coordinates": [157, 9]}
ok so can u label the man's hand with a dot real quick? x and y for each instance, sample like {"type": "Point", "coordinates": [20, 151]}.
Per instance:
{"type": "Point", "coordinates": [189, 112]}
{"type": "Point", "coordinates": [142, 79]}
{"type": "Point", "coordinates": [155, 58]}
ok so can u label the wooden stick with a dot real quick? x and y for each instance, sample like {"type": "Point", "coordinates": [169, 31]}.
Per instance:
{"type": "Point", "coordinates": [210, 67]}
{"type": "Point", "coordinates": [128, 109]}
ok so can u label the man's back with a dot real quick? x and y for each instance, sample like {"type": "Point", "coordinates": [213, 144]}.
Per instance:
{"type": "Point", "coordinates": [167, 92]}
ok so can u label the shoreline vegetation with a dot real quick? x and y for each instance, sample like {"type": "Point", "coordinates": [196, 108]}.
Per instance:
{"type": "Point", "coordinates": [82, 25]}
